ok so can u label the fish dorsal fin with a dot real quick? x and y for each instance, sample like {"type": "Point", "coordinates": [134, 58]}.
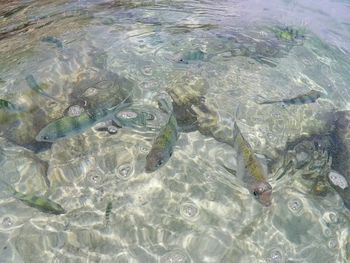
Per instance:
{"type": "Point", "coordinates": [236, 129]}
{"type": "Point", "coordinates": [123, 104]}
{"type": "Point", "coordinates": [164, 102]}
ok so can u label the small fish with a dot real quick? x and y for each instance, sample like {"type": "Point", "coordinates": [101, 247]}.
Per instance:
{"type": "Point", "coordinates": [192, 55]}
{"type": "Point", "coordinates": [250, 170]}
{"type": "Point", "coordinates": [162, 147]}
{"type": "Point", "coordinates": [53, 40]}
{"type": "Point", "coordinates": [309, 97]}
{"type": "Point", "coordinates": [290, 34]}
{"type": "Point", "coordinates": [8, 106]}
{"type": "Point", "coordinates": [68, 126]}
{"type": "Point", "coordinates": [35, 86]}
{"type": "Point", "coordinates": [41, 203]}
{"type": "Point", "coordinates": [108, 212]}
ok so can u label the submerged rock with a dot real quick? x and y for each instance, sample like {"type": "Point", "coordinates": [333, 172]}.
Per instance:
{"type": "Point", "coordinates": [103, 89]}
{"type": "Point", "coordinates": [186, 92]}
{"type": "Point", "coordinates": [341, 138]}
{"type": "Point", "coordinates": [310, 157]}
{"type": "Point", "coordinates": [315, 156]}
{"type": "Point", "coordinates": [338, 180]}
{"type": "Point", "coordinates": [341, 185]}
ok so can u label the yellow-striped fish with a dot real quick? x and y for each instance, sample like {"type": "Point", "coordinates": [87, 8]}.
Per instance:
{"type": "Point", "coordinates": [249, 169]}
{"type": "Point", "coordinates": [69, 126]}
{"type": "Point", "coordinates": [41, 203]}
{"type": "Point", "coordinates": [108, 212]}
{"type": "Point", "coordinates": [163, 145]}
{"type": "Point", "coordinates": [309, 97]}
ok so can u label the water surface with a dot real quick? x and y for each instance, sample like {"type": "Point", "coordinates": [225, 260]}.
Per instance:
{"type": "Point", "coordinates": [191, 210]}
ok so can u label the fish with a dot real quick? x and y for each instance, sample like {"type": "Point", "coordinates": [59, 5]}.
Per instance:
{"type": "Point", "coordinates": [187, 28]}
{"type": "Point", "coordinates": [290, 34]}
{"type": "Point", "coordinates": [10, 107]}
{"type": "Point", "coordinates": [309, 97]}
{"type": "Point", "coordinates": [192, 55]}
{"type": "Point", "coordinates": [41, 203]}
{"type": "Point", "coordinates": [53, 40]}
{"type": "Point", "coordinates": [250, 170]}
{"type": "Point", "coordinates": [162, 147]}
{"type": "Point", "coordinates": [108, 212]}
{"type": "Point", "coordinates": [31, 82]}
{"type": "Point", "coordinates": [69, 126]}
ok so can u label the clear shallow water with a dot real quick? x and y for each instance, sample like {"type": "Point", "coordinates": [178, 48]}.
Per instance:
{"type": "Point", "coordinates": [191, 210]}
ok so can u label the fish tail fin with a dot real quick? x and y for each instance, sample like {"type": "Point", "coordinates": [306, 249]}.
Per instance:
{"type": "Point", "coordinates": [123, 104]}
{"type": "Point", "coordinates": [31, 82]}
{"type": "Point", "coordinates": [231, 171]}
{"type": "Point", "coordinates": [258, 99]}
{"type": "Point", "coordinates": [262, 100]}
{"type": "Point", "coordinates": [235, 125]}
{"type": "Point", "coordinates": [269, 102]}
{"type": "Point", "coordinates": [238, 108]}
{"type": "Point", "coordinates": [51, 97]}
{"type": "Point", "coordinates": [16, 108]}
{"type": "Point", "coordinates": [164, 102]}
{"type": "Point", "coordinates": [125, 101]}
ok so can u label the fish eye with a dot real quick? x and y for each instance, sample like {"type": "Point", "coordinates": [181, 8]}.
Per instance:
{"type": "Point", "coordinates": [45, 137]}
{"type": "Point", "coordinates": [261, 189]}
{"type": "Point", "coordinates": [255, 193]}
{"type": "Point", "coordinates": [160, 162]}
